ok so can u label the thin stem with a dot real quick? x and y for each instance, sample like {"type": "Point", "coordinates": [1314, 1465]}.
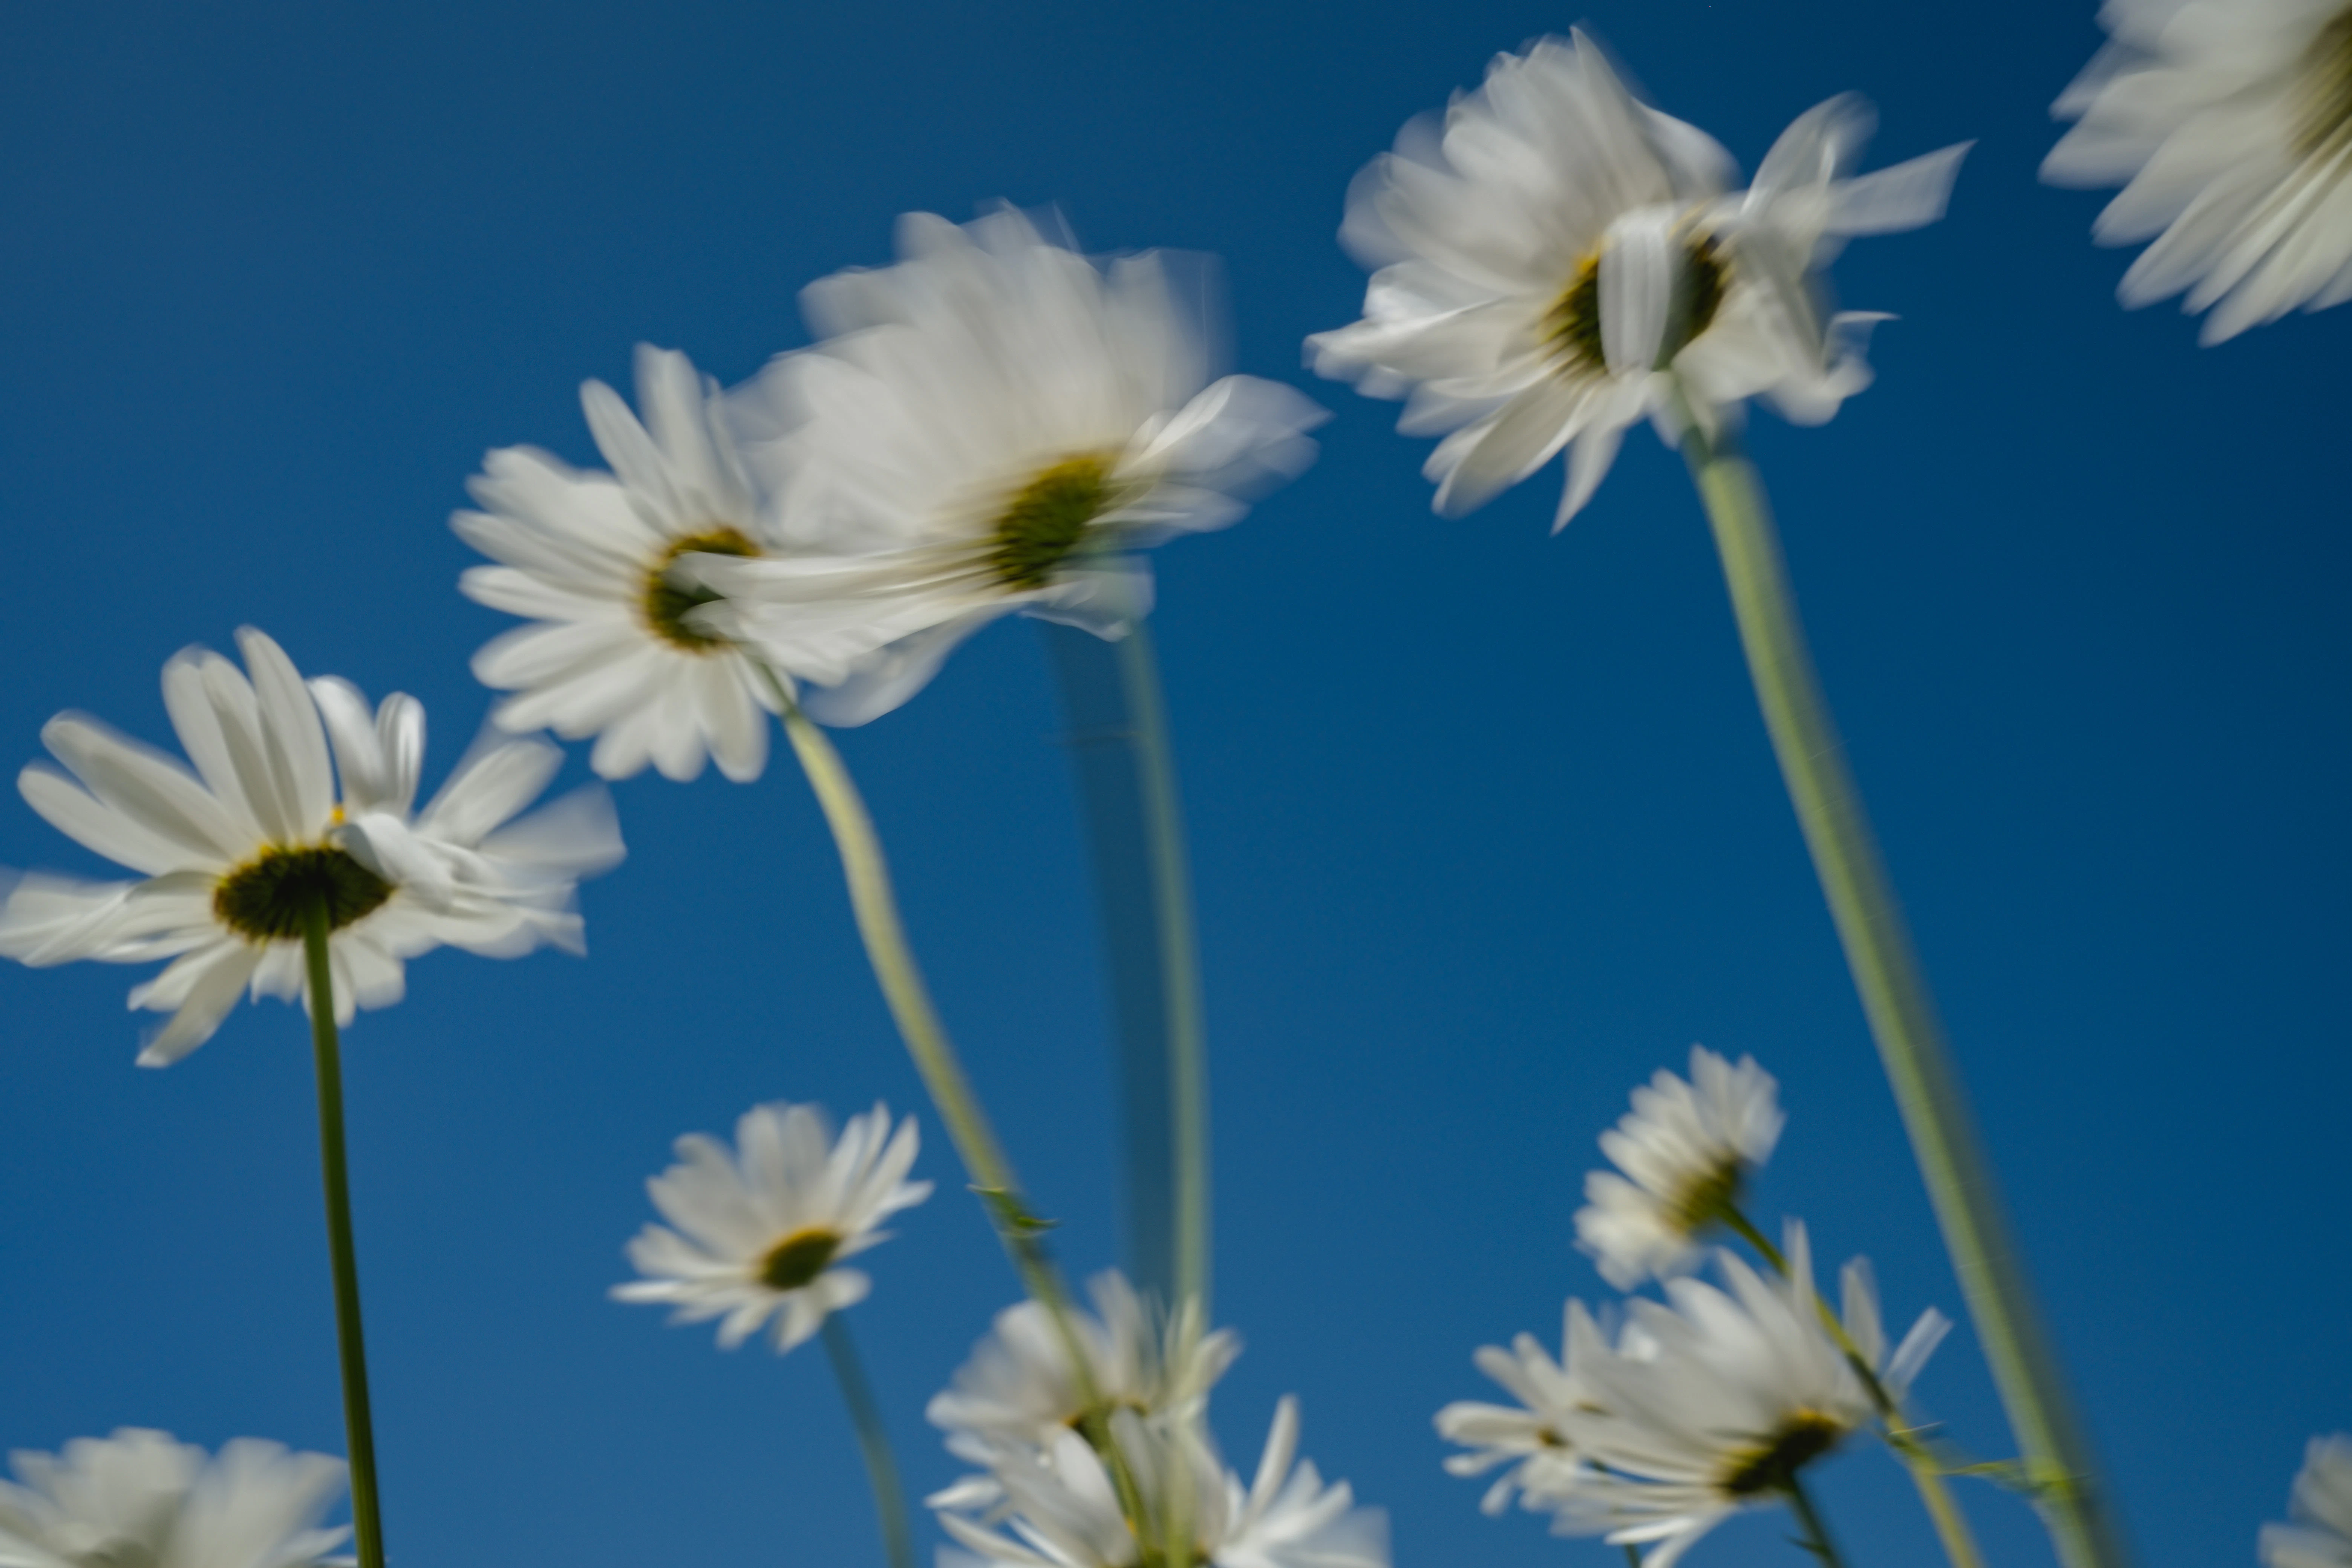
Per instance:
{"type": "Point", "coordinates": [1809, 1519]}
{"type": "Point", "coordinates": [873, 1442]}
{"type": "Point", "coordinates": [1896, 1000]}
{"type": "Point", "coordinates": [1180, 964]}
{"type": "Point", "coordinates": [359, 1426]}
{"type": "Point", "coordinates": [875, 907]}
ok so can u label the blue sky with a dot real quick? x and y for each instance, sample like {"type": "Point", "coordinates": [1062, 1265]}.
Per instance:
{"type": "Point", "coordinates": [1485, 824]}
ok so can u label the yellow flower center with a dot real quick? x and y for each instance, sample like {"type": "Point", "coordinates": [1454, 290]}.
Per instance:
{"type": "Point", "coordinates": [1045, 521]}
{"type": "Point", "coordinates": [1772, 1466]}
{"type": "Point", "coordinates": [667, 604]}
{"type": "Point", "coordinates": [1710, 1197]}
{"type": "Point", "coordinates": [1572, 328]}
{"type": "Point", "coordinates": [799, 1257]}
{"type": "Point", "coordinates": [269, 897]}
{"type": "Point", "coordinates": [2326, 88]}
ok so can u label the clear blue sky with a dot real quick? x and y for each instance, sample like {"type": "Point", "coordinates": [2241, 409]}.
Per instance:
{"type": "Point", "coordinates": [1485, 821]}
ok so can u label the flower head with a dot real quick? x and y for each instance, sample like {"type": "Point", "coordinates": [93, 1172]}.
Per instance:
{"type": "Point", "coordinates": [762, 1230]}
{"type": "Point", "coordinates": [2229, 124]}
{"type": "Point", "coordinates": [2321, 1507]}
{"type": "Point", "coordinates": [1686, 1150]}
{"type": "Point", "coordinates": [1717, 1401]}
{"type": "Point", "coordinates": [1529, 1439]}
{"type": "Point", "coordinates": [992, 425]}
{"type": "Point", "coordinates": [614, 649]}
{"type": "Point", "coordinates": [1555, 261]}
{"type": "Point", "coordinates": [239, 852]}
{"type": "Point", "coordinates": [1066, 1513]}
{"type": "Point", "coordinates": [138, 1497]}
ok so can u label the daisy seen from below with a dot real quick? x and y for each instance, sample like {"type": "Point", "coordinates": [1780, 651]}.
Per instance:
{"type": "Point", "coordinates": [613, 650]}
{"type": "Point", "coordinates": [1686, 1151]}
{"type": "Point", "coordinates": [238, 851]}
{"type": "Point", "coordinates": [1528, 1441]}
{"type": "Point", "coordinates": [761, 1230]}
{"type": "Point", "coordinates": [1718, 1401]}
{"type": "Point", "coordinates": [138, 1497]}
{"type": "Point", "coordinates": [2229, 124]}
{"type": "Point", "coordinates": [993, 425]}
{"type": "Point", "coordinates": [1064, 1509]}
{"type": "Point", "coordinates": [2321, 1507]}
{"type": "Point", "coordinates": [1554, 261]}
{"type": "Point", "coordinates": [1018, 1393]}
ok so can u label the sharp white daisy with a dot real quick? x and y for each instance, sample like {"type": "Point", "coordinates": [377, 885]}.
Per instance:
{"type": "Point", "coordinates": [761, 1230]}
{"type": "Point", "coordinates": [1527, 1440]}
{"type": "Point", "coordinates": [138, 1497]}
{"type": "Point", "coordinates": [2321, 1509]}
{"type": "Point", "coordinates": [1554, 261]}
{"type": "Point", "coordinates": [1018, 1391]}
{"type": "Point", "coordinates": [1066, 1510]}
{"type": "Point", "coordinates": [235, 852]}
{"type": "Point", "coordinates": [994, 424]}
{"type": "Point", "coordinates": [1718, 1401]}
{"type": "Point", "coordinates": [1686, 1150]}
{"type": "Point", "coordinates": [613, 650]}
{"type": "Point", "coordinates": [2229, 124]}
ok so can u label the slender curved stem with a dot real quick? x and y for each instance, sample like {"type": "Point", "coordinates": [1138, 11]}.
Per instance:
{"type": "Point", "coordinates": [359, 1426]}
{"type": "Point", "coordinates": [875, 907]}
{"type": "Point", "coordinates": [873, 1442]}
{"type": "Point", "coordinates": [1817, 1529]}
{"type": "Point", "coordinates": [1901, 1016]}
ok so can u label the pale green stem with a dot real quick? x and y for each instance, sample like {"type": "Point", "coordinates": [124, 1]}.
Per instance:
{"type": "Point", "coordinates": [1180, 964]}
{"type": "Point", "coordinates": [1927, 1472]}
{"type": "Point", "coordinates": [359, 1426]}
{"type": "Point", "coordinates": [1902, 1018]}
{"type": "Point", "coordinates": [1817, 1529]}
{"type": "Point", "coordinates": [875, 908]}
{"type": "Point", "coordinates": [873, 1442]}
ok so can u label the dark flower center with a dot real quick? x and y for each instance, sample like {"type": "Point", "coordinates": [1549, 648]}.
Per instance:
{"type": "Point", "coordinates": [799, 1258]}
{"type": "Point", "coordinates": [1800, 1439]}
{"type": "Point", "coordinates": [1572, 328]}
{"type": "Point", "coordinates": [2326, 118]}
{"type": "Point", "coordinates": [1710, 1198]}
{"type": "Point", "coordinates": [269, 897]}
{"type": "Point", "coordinates": [667, 604]}
{"type": "Point", "coordinates": [1046, 520]}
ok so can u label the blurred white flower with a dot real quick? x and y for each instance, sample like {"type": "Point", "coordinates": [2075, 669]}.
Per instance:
{"type": "Point", "coordinates": [138, 1500]}
{"type": "Point", "coordinates": [762, 1230]}
{"type": "Point", "coordinates": [1530, 1438]}
{"type": "Point", "coordinates": [1547, 254]}
{"type": "Point", "coordinates": [1716, 1402]}
{"type": "Point", "coordinates": [1066, 1511]}
{"type": "Point", "coordinates": [613, 651]}
{"type": "Point", "coordinates": [2321, 1507]}
{"type": "Point", "coordinates": [2229, 124]}
{"type": "Point", "coordinates": [1688, 1149]}
{"type": "Point", "coordinates": [234, 852]}
{"type": "Point", "coordinates": [1018, 1393]}
{"type": "Point", "coordinates": [990, 424]}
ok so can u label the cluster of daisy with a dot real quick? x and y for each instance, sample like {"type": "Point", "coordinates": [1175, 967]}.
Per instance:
{"type": "Point", "coordinates": [1661, 1419]}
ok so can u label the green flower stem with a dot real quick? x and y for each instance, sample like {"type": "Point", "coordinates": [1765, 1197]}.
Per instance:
{"type": "Point", "coordinates": [1927, 1470]}
{"type": "Point", "coordinates": [1809, 1519]}
{"type": "Point", "coordinates": [873, 1442]}
{"type": "Point", "coordinates": [875, 907]}
{"type": "Point", "coordinates": [359, 1426]}
{"type": "Point", "coordinates": [1179, 963]}
{"type": "Point", "coordinates": [1902, 1018]}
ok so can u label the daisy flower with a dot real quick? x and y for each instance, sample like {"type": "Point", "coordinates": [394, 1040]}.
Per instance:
{"type": "Point", "coordinates": [1530, 1438]}
{"type": "Point", "coordinates": [1554, 261]}
{"type": "Point", "coordinates": [761, 1230]}
{"type": "Point", "coordinates": [992, 425]}
{"type": "Point", "coordinates": [236, 852]}
{"type": "Point", "coordinates": [613, 650]}
{"type": "Point", "coordinates": [1686, 1150]}
{"type": "Point", "coordinates": [1018, 1391]}
{"type": "Point", "coordinates": [2229, 124]}
{"type": "Point", "coordinates": [1066, 1513]}
{"type": "Point", "coordinates": [140, 1497]}
{"type": "Point", "coordinates": [1718, 1401]}
{"type": "Point", "coordinates": [2321, 1507]}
